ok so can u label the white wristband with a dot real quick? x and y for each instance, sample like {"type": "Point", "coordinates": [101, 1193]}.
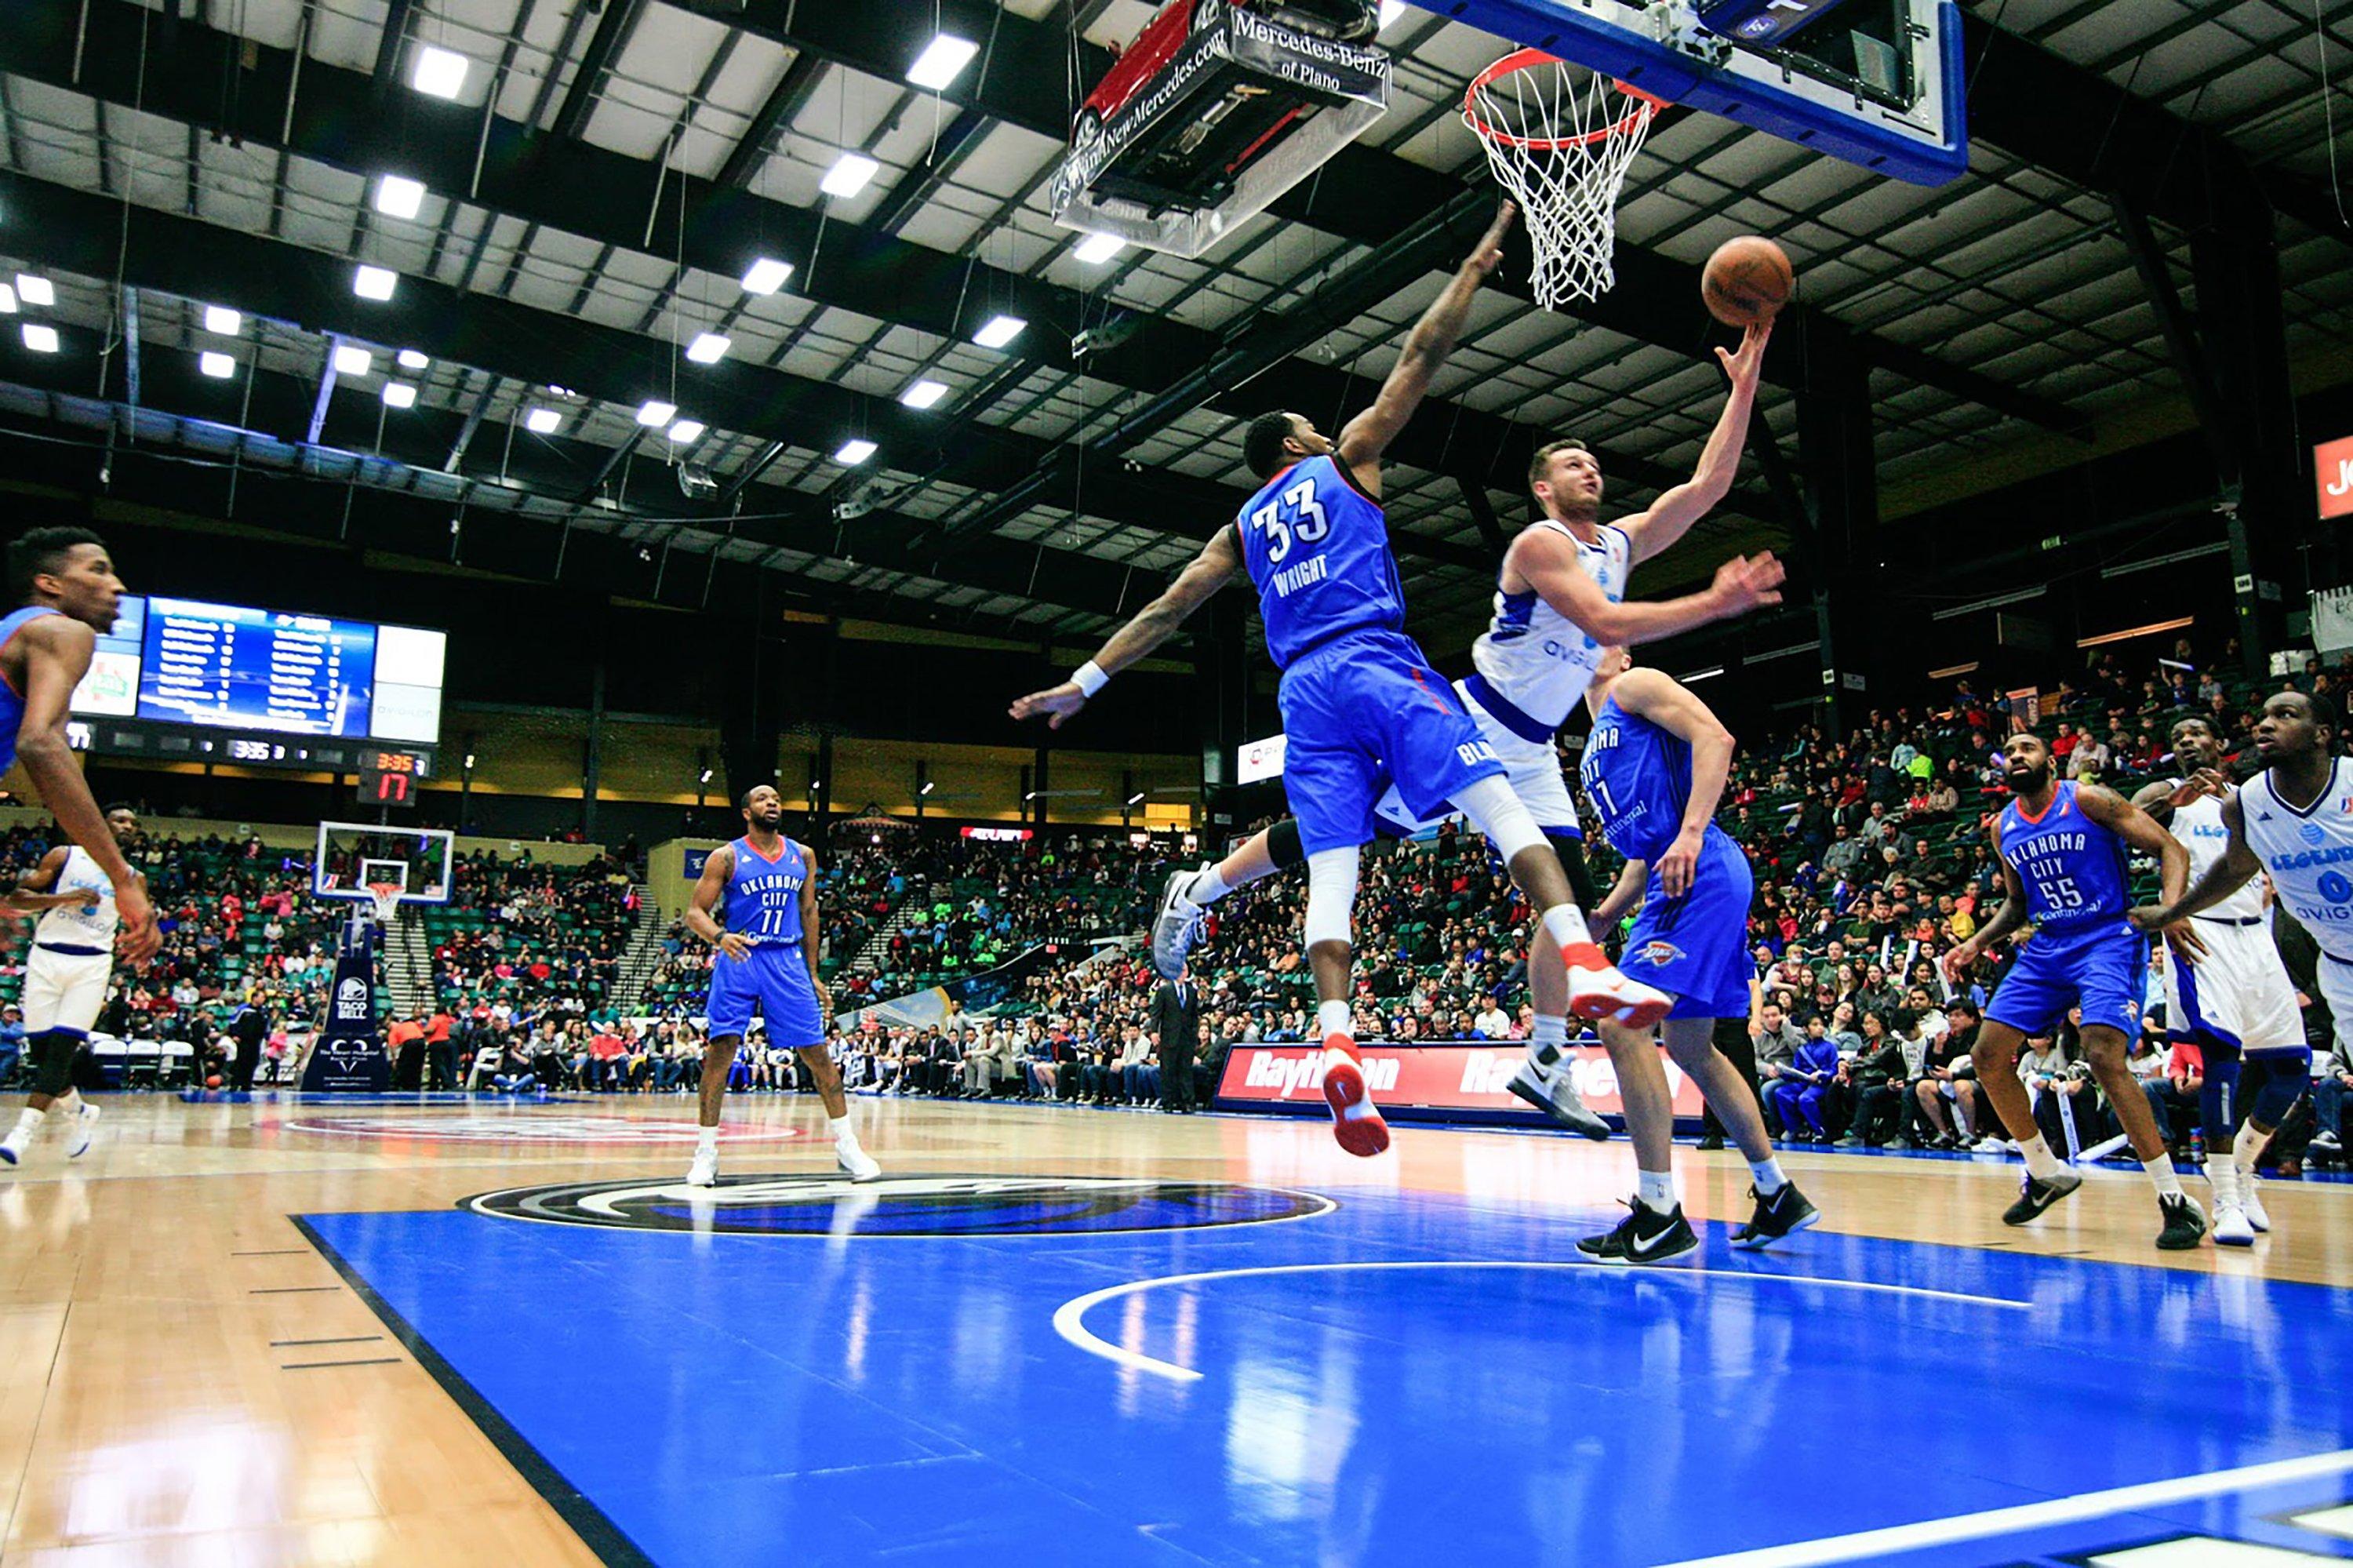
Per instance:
{"type": "Point", "coordinates": [1088, 678]}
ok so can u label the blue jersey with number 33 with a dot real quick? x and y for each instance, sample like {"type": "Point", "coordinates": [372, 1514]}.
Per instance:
{"type": "Point", "coordinates": [763, 896]}
{"type": "Point", "coordinates": [1318, 552]}
{"type": "Point", "coordinates": [2072, 868]}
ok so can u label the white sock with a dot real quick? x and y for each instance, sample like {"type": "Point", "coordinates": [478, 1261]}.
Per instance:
{"type": "Point", "coordinates": [2247, 1150]}
{"type": "Point", "coordinates": [1655, 1190]}
{"type": "Point", "coordinates": [1769, 1175]}
{"type": "Point", "coordinates": [2160, 1172]}
{"type": "Point", "coordinates": [706, 1140]}
{"type": "Point", "coordinates": [28, 1122]}
{"type": "Point", "coordinates": [843, 1133]}
{"type": "Point", "coordinates": [2041, 1163]}
{"type": "Point", "coordinates": [1332, 1018]}
{"type": "Point", "coordinates": [1208, 887]}
{"type": "Point", "coordinates": [1544, 1041]}
{"type": "Point", "coordinates": [2222, 1175]}
{"type": "Point", "coordinates": [1565, 926]}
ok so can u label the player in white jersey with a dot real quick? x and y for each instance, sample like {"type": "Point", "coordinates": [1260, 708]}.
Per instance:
{"type": "Point", "coordinates": [66, 976]}
{"type": "Point", "coordinates": [2237, 1000]}
{"type": "Point", "coordinates": [1560, 600]}
{"type": "Point", "coordinates": [2293, 821]}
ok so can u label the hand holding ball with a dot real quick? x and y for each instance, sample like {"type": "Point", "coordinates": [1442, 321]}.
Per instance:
{"type": "Point", "coordinates": [1748, 280]}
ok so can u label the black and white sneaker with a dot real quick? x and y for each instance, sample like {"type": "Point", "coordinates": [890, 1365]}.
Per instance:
{"type": "Point", "coordinates": [1784, 1214]}
{"type": "Point", "coordinates": [1644, 1236]}
{"type": "Point", "coordinates": [2038, 1195]}
{"type": "Point", "coordinates": [2185, 1223]}
{"type": "Point", "coordinates": [1554, 1093]}
{"type": "Point", "coordinates": [1176, 923]}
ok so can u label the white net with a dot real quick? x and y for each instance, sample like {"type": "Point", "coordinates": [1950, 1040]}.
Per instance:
{"type": "Point", "coordinates": [1559, 139]}
{"type": "Point", "coordinates": [386, 895]}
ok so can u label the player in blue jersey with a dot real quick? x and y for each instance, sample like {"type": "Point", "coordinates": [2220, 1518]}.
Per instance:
{"type": "Point", "coordinates": [2062, 847]}
{"type": "Point", "coordinates": [1654, 768]}
{"type": "Point", "coordinates": [1361, 707]}
{"type": "Point", "coordinates": [766, 885]}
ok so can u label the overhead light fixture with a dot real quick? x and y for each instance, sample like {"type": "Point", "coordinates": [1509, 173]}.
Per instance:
{"type": "Point", "coordinates": [542, 422]}
{"type": "Point", "coordinates": [706, 777]}
{"type": "Point", "coordinates": [1000, 331]}
{"type": "Point", "coordinates": [1707, 674]}
{"type": "Point", "coordinates": [34, 289]}
{"type": "Point", "coordinates": [218, 366]}
{"type": "Point", "coordinates": [1391, 10]}
{"type": "Point", "coordinates": [814, 786]}
{"type": "Point", "coordinates": [686, 432]}
{"type": "Point", "coordinates": [7, 299]}
{"type": "Point", "coordinates": [222, 321]}
{"type": "Point", "coordinates": [923, 394]}
{"type": "Point", "coordinates": [352, 360]}
{"type": "Point", "coordinates": [375, 282]}
{"type": "Point", "coordinates": [657, 412]}
{"type": "Point", "coordinates": [709, 348]}
{"type": "Point", "coordinates": [766, 275]}
{"type": "Point", "coordinates": [854, 452]}
{"type": "Point", "coordinates": [941, 61]}
{"type": "Point", "coordinates": [470, 762]}
{"type": "Point", "coordinates": [926, 790]}
{"type": "Point", "coordinates": [398, 196]}
{"type": "Point", "coordinates": [399, 395]}
{"type": "Point", "coordinates": [40, 337]}
{"type": "Point", "coordinates": [410, 359]}
{"type": "Point", "coordinates": [848, 175]}
{"type": "Point", "coordinates": [437, 73]}
{"type": "Point", "coordinates": [1097, 249]}
{"type": "Point", "coordinates": [1132, 799]}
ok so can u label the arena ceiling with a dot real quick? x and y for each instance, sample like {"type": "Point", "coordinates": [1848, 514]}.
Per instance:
{"type": "Point", "coordinates": [593, 197]}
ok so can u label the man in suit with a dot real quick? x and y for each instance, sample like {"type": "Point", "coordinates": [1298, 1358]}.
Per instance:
{"type": "Point", "coordinates": [250, 1028]}
{"type": "Point", "coordinates": [1176, 1016]}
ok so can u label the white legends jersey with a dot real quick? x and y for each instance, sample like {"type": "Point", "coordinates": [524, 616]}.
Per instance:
{"type": "Point", "coordinates": [2309, 855]}
{"type": "Point", "coordinates": [2198, 826]}
{"type": "Point", "coordinates": [1535, 657]}
{"type": "Point", "coordinates": [77, 926]}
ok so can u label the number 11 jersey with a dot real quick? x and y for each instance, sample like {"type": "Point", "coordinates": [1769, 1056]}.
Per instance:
{"type": "Point", "coordinates": [1318, 553]}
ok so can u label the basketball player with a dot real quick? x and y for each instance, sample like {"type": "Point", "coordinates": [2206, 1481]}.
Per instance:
{"type": "Point", "coordinates": [2238, 1001]}
{"type": "Point", "coordinates": [2063, 846]}
{"type": "Point", "coordinates": [66, 976]}
{"type": "Point", "coordinates": [1559, 601]}
{"type": "Point", "coordinates": [767, 960]}
{"type": "Point", "coordinates": [2294, 820]}
{"type": "Point", "coordinates": [1654, 768]}
{"type": "Point", "coordinates": [1361, 706]}
{"type": "Point", "coordinates": [66, 593]}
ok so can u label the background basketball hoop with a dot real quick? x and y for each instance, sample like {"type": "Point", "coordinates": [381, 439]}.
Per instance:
{"type": "Point", "coordinates": [1559, 138]}
{"type": "Point", "coordinates": [387, 900]}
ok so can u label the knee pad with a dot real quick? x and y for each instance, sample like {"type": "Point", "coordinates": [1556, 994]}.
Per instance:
{"type": "Point", "coordinates": [1570, 849]}
{"type": "Point", "coordinates": [1499, 816]}
{"type": "Point", "coordinates": [1282, 845]}
{"type": "Point", "coordinates": [53, 1055]}
{"type": "Point", "coordinates": [2218, 1099]}
{"type": "Point", "coordinates": [2287, 1075]}
{"type": "Point", "coordinates": [1331, 894]}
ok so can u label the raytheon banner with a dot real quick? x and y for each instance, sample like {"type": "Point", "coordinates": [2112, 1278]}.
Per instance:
{"type": "Point", "coordinates": [1434, 1078]}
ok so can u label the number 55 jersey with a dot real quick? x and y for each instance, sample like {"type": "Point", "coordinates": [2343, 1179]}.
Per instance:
{"type": "Point", "coordinates": [2083, 952]}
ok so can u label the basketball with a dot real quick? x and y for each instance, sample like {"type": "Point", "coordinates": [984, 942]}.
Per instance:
{"type": "Point", "coordinates": [1748, 280]}
{"type": "Point", "coordinates": [214, 1082]}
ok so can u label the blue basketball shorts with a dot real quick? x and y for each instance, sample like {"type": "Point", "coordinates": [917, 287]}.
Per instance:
{"type": "Point", "coordinates": [2103, 969]}
{"type": "Point", "coordinates": [776, 981]}
{"type": "Point", "coordinates": [1695, 947]}
{"type": "Point", "coordinates": [1359, 713]}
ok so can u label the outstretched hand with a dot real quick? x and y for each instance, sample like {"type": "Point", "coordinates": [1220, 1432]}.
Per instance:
{"type": "Point", "coordinates": [1058, 703]}
{"type": "Point", "coordinates": [1745, 582]}
{"type": "Point", "coordinates": [1490, 250]}
{"type": "Point", "coordinates": [1744, 363]}
{"type": "Point", "coordinates": [2205, 781]}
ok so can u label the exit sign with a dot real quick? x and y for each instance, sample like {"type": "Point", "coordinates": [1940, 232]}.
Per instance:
{"type": "Point", "coordinates": [2332, 463]}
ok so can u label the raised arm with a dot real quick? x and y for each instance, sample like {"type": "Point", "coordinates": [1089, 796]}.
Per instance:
{"type": "Point", "coordinates": [57, 656]}
{"type": "Point", "coordinates": [1548, 562]}
{"type": "Point", "coordinates": [1667, 703]}
{"type": "Point", "coordinates": [2136, 827]}
{"type": "Point", "coordinates": [1365, 437]}
{"type": "Point", "coordinates": [1673, 513]}
{"type": "Point", "coordinates": [1220, 563]}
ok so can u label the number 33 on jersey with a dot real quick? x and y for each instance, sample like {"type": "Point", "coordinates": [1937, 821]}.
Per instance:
{"type": "Point", "coordinates": [1318, 553]}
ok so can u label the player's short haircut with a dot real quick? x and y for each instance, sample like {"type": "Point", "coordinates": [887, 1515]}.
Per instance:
{"type": "Point", "coordinates": [1542, 460]}
{"type": "Point", "coordinates": [2324, 712]}
{"type": "Point", "coordinates": [123, 806]}
{"type": "Point", "coordinates": [39, 551]}
{"type": "Point", "coordinates": [1262, 443]}
{"type": "Point", "coordinates": [744, 802]}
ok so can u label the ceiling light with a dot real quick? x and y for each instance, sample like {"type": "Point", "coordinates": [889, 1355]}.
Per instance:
{"type": "Point", "coordinates": [766, 275]}
{"type": "Point", "coordinates": [686, 432]}
{"type": "Point", "coordinates": [397, 196]}
{"type": "Point", "coordinates": [1000, 331]}
{"type": "Point", "coordinates": [34, 289]}
{"type": "Point", "coordinates": [437, 73]}
{"type": "Point", "coordinates": [375, 282]}
{"type": "Point", "coordinates": [941, 61]}
{"type": "Point", "coordinates": [656, 413]}
{"type": "Point", "coordinates": [222, 321]}
{"type": "Point", "coordinates": [923, 394]}
{"type": "Point", "coordinates": [1132, 799]}
{"type": "Point", "coordinates": [706, 776]}
{"type": "Point", "coordinates": [848, 175]}
{"type": "Point", "coordinates": [410, 359]}
{"type": "Point", "coordinates": [40, 337]}
{"type": "Point", "coordinates": [399, 395]}
{"type": "Point", "coordinates": [542, 422]}
{"type": "Point", "coordinates": [927, 785]}
{"type": "Point", "coordinates": [352, 360]}
{"type": "Point", "coordinates": [218, 366]}
{"type": "Point", "coordinates": [854, 452]}
{"type": "Point", "coordinates": [1391, 10]}
{"type": "Point", "coordinates": [1097, 249]}
{"type": "Point", "coordinates": [7, 300]}
{"type": "Point", "coordinates": [709, 348]}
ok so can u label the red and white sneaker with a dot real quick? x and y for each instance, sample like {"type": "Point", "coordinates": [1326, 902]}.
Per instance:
{"type": "Point", "coordinates": [1596, 991]}
{"type": "Point", "coordinates": [1355, 1122]}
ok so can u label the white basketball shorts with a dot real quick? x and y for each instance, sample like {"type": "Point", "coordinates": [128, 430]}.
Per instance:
{"type": "Point", "coordinates": [2239, 993]}
{"type": "Point", "coordinates": [1531, 767]}
{"type": "Point", "coordinates": [65, 991]}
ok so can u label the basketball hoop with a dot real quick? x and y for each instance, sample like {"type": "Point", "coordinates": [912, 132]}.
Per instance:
{"type": "Point", "coordinates": [387, 900]}
{"type": "Point", "coordinates": [1559, 138]}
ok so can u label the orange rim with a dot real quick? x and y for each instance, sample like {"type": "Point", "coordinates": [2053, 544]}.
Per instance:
{"type": "Point", "coordinates": [1645, 105]}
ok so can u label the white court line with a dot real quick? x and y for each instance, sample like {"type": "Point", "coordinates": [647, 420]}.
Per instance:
{"type": "Point", "coordinates": [1068, 1317]}
{"type": "Point", "coordinates": [1933, 1532]}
